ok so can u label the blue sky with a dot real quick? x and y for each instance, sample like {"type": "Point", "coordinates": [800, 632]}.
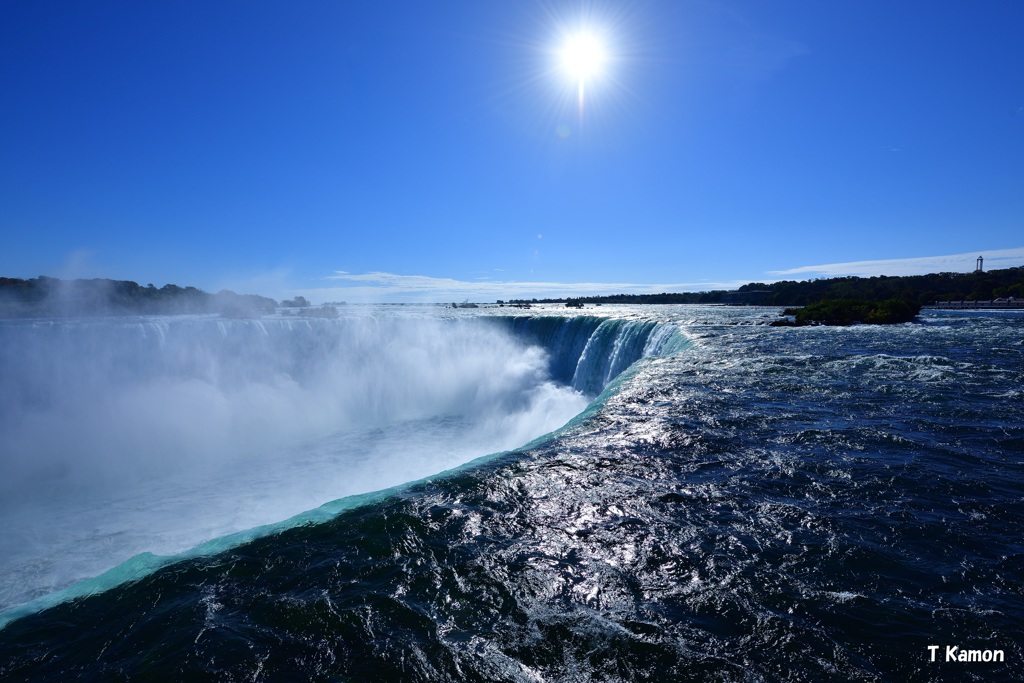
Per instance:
{"type": "Point", "coordinates": [427, 151]}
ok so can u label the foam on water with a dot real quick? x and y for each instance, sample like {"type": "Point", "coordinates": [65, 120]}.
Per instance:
{"type": "Point", "coordinates": [125, 437]}
{"type": "Point", "coordinates": [772, 504]}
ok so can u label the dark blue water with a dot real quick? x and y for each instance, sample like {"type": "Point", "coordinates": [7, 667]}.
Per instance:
{"type": "Point", "coordinates": [761, 504]}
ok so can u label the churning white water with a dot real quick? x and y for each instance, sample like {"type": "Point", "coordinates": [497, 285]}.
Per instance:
{"type": "Point", "coordinates": [123, 436]}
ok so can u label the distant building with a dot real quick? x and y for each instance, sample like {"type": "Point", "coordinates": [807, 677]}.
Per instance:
{"type": "Point", "coordinates": [978, 268]}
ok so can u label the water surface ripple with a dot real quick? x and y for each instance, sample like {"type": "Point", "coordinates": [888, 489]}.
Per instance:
{"type": "Point", "coordinates": [771, 504]}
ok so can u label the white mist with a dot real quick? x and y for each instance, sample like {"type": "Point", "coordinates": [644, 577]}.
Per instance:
{"type": "Point", "coordinates": [122, 436]}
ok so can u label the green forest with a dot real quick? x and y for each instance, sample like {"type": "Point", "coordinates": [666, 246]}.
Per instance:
{"type": "Point", "coordinates": [53, 297]}
{"type": "Point", "coordinates": [917, 289]}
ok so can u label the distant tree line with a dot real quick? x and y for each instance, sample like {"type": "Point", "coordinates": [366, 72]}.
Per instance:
{"type": "Point", "coordinates": [915, 289]}
{"type": "Point", "coordinates": [712, 297]}
{"type": "Point", "coordinates": [52, 297]}
{"type": "Point", "coordinates": [919, 289]}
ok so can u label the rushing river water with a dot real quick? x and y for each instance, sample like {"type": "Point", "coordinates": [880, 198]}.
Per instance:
{"type": "Point", "coordinates": [192, 498]}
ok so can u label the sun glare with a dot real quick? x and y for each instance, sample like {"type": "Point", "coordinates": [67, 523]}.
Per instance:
{"type": "Point", "coordinates": [583, 60]}
{"type": "Point", "coordinates": [583, 56]}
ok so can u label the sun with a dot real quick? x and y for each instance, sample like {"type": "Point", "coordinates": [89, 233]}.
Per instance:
{"type": "Point", "coordinates": [583, 56]}
{"type": "Point", "coordinates": [583, 59]}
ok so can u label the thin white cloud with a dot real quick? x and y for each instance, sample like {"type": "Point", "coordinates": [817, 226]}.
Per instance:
{"type": "Point", "coordinates": [383, 287]}
{"type": "Point", "coordinates": [955, 263]}
{"type": "Point", "coordinates": [390, 287]}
